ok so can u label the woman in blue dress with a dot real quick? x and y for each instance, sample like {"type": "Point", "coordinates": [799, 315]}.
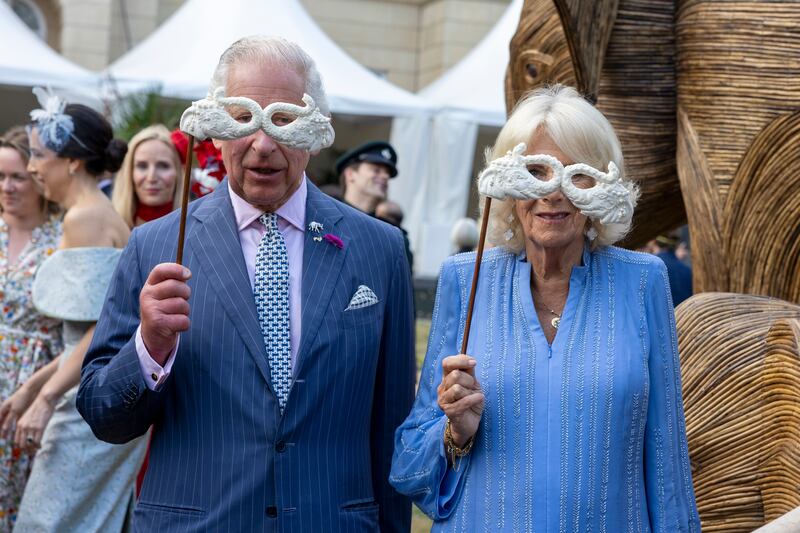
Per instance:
{"type": "Point", "coordinates": [567, 413]}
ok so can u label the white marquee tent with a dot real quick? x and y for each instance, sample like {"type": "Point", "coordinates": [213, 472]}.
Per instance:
{"type": "Point", "coordinates": [473, 88]}
{"type": "Point", "coordinates": [438, 151]}
{"type": "Point", "coordinates": [435, 132]}
{"type": "Point", "coordinates": [181, 54]}
{"type": "Point", "coordinates": [27, 60]}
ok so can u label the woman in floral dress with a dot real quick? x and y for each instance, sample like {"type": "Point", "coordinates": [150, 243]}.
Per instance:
{"type": "Point", "coordinates": [29, 233]}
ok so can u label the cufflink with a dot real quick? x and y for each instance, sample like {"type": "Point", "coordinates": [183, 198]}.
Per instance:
{"type": "Point", "coordinates": [154, 376]}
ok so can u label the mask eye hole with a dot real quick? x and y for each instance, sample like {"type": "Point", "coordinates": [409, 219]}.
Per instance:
{"type": "Point", "coordinates": [282, 119]}
{"type": "Point", "coordinates": [240, 114]}
{"type": "Point", "coordinates": [541, 172]}
{"type": "Point", "coordinates": [582, 181]}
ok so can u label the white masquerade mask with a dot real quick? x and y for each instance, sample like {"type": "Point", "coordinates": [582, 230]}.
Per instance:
{"type": "Point", "coordinates": [309, 130]}
{"type": "Point", "coordinates": [602, 196]}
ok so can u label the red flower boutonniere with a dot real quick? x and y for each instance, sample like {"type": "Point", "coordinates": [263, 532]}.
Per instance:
{"type": "Point", "coordinates": [334, 240]}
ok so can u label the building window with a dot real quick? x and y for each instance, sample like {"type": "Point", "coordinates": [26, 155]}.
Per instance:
{"type": "Point", "coordinates": [31, 15]}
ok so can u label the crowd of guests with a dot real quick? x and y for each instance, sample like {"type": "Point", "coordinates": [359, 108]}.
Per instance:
{"type": "Point", "coordinates": [67, 206]}
{"type": "Point", "coordinates": [60, 240]}
{"type": "Point", "coordinates": [564, 413]}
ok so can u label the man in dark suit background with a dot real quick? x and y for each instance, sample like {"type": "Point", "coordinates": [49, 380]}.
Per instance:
{"type": "Point", "coordinates": [364, 174]}
{"type": "Point", "coordinates": [276, 364]}
{"type": "Point", "coordinates": [679, 273]}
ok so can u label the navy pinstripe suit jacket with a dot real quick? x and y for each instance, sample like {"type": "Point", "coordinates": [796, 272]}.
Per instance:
{"type": "Point", "coordinates": [222, 457]}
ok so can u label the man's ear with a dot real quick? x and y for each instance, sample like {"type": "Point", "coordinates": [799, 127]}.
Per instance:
{"type": "Point", "coordinates": [217, 144]}
{"type": "Point", "coordinates": [350, 172]}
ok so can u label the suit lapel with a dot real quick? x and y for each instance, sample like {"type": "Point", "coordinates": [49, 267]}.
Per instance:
{"type": "Point", "coordinates": [215, 243]}
{"type": "Point", "coordinates": [322, 263]}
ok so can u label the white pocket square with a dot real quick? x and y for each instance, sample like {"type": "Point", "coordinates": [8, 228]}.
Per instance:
{"type": "Point", "coordinates": [364, 297]}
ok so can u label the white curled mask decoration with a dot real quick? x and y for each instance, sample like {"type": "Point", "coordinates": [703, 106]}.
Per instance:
{"type": "Point", "coordinates": [309, 130]}
{"type": "Point", "coordinates": [602, 196]}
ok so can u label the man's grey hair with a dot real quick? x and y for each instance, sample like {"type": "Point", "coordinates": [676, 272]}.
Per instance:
{"type": "Point", "coordinates": [272, 49]}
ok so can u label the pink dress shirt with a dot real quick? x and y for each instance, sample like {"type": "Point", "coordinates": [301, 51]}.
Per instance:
{"type": "Point", "coordinates": [291, 223]}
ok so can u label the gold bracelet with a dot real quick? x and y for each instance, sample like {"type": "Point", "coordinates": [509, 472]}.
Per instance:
{"type": "Point", "coordinates": [453, 450]}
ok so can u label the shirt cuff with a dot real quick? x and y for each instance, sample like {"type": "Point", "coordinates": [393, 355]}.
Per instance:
{"type": "Point", "coordinates": [154, 374]}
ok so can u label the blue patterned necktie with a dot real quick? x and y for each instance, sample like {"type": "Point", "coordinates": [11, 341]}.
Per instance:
{"type": "Point", "coordinates": [271, 291]}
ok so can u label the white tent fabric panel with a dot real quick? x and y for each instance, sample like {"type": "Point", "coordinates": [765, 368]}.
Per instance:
{"type": "Point", "coordinates": [433, 183]}
{"type": "Point", "coordinates": [27, 60]}
{"type": "Point", "coordinates": [433, 188]}
{"type": "Point", "coordinates": [411, 138]}
{"type": "Point", "coordinates": [180, 57]}
{"type": "Point", "coordinates": [474, 87]}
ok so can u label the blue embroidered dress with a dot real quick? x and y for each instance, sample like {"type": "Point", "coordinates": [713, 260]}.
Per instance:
{"type": "Point", "coordinates": [586, 435]}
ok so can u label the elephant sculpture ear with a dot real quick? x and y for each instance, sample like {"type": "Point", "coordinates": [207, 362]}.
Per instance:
{"type": "Point", "coordinates": [587, 29]}
{"type": "Point", "coordinates": [762, 213]}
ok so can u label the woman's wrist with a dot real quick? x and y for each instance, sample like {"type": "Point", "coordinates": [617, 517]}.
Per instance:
{"type": "Point", "coordinates": [49, 395]}
{"type": "Point", "coordinates": [455, 443]}
{"type": "Point", "coordinates": [458, 439]}
{"type": "Point", "coordinates": [31, 387]}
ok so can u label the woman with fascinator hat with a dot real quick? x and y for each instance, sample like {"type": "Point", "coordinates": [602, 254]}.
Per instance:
{"type": "Point", "coordinates": [78, 483]}
{"type": "Point", "coordinates": [565, 414]}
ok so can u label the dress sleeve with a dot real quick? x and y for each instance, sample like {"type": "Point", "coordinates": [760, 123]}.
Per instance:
{"type": "Point", "coordinates": [419, 465]}
{"type": "Point", "coordinates": [668, 477]}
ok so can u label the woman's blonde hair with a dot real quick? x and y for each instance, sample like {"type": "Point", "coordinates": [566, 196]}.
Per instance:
{"type": "Point", "coordinates": [124, 196]}
{"type": "Point", "coordinates": [579, 130]}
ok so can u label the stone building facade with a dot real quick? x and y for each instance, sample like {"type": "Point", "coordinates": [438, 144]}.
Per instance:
{"type": "Point", "coordinates": [410, 42]}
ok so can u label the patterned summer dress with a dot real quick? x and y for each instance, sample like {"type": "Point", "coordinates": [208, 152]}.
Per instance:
{"type": "Point", "coordinates": [28, 341]}
{"type": "Point", "coordinates": [78, 483]}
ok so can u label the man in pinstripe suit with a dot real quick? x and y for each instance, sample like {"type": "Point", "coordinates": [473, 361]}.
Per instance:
{"type": "Point", "coordinates": [247, 438]}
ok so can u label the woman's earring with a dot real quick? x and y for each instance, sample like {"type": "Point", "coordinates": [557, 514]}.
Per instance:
{"type": "Point", "coordinates": [509, 234]}
{"type": "Point", "coordinates": [591, 234]}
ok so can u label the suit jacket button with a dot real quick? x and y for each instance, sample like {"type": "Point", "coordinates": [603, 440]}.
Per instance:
{"type": "Point", "coordinates": [272, 511]}
{"type": "Point", "coordinates": [280, 446]}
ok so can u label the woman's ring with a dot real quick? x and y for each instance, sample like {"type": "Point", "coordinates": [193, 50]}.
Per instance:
{"type": "Point", "coordinates": [29, 440]}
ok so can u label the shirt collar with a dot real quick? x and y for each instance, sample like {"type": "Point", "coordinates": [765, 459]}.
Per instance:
{"type": "Point", "coordinates": [293, 211]}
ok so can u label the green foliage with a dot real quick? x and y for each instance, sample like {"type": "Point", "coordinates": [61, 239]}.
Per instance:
{"type": "Point", "coordinates": [135, 112]}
